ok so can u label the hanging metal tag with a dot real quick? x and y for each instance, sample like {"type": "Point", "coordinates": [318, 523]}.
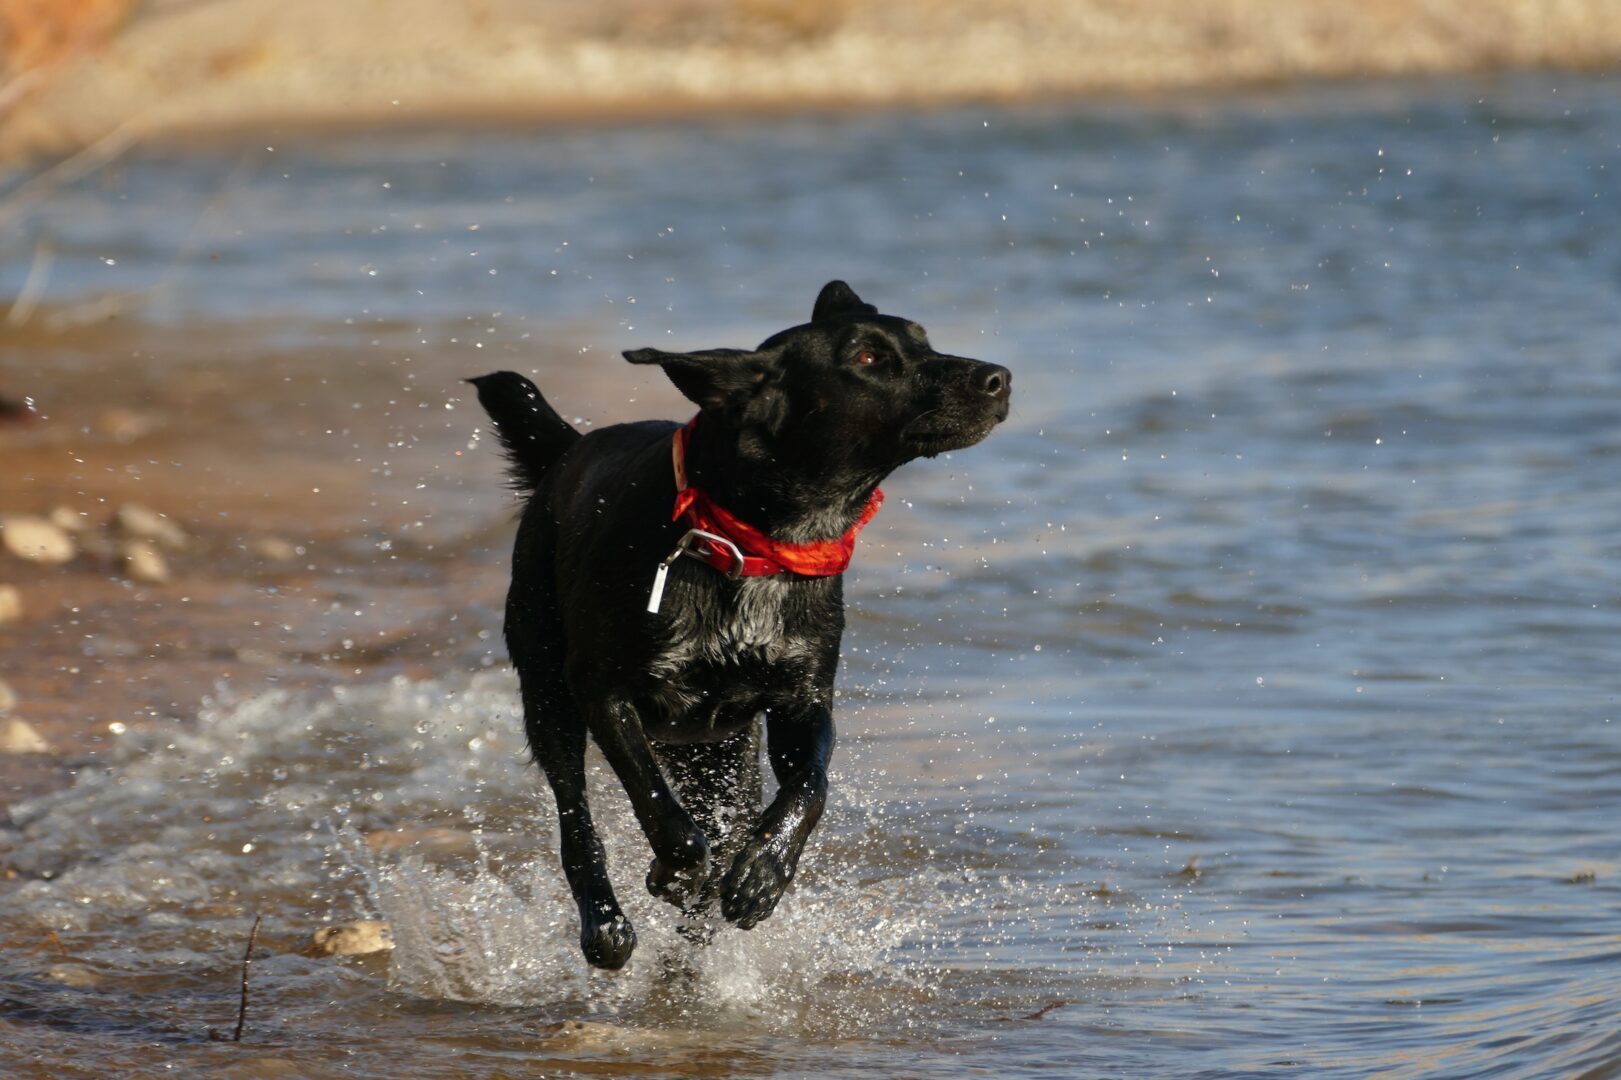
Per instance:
{"type": "Point", "coordinates": [656, 597]}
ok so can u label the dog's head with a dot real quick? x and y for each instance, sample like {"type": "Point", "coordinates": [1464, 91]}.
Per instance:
{"type": "Point", "coordinates": [851, 387]}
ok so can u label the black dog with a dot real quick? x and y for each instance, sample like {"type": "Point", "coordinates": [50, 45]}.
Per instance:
{"type": "Point", "coordinates": [669, 662]}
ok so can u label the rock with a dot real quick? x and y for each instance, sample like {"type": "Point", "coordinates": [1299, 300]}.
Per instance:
{"type": "Point", "coordinates": [11, 604]}
{"type": "Point", "coordinates": [99, 546]}
{"type": "Point", "coordinates": [124, 425]}
{"type": "Point", "coordinates": [135, 520]}
{"type": "Point", "coordinates": [436, 838]}
{"type": "Point", "coordinates": [19, 737]}
{"type": "Point", "coordinates": [8, 697]}
{"type": "Point", "coordinates": [580, 1034]}
{"type": "Point", "coordinates": [273, 549]}
{"type": "Point", "coordinates": [75, 975]}
{"type": "Point", "coordinates": [266, 1068]}
{"type": "Point", "coordinates": [353, 939]}
{"type": "Point", "coordinates": [15, 411]}
{"type": "Point", "coordinates": [35, 539]}
{"type": "Point", "coordinates": [69, 520]}
{"type": "Point", "coordinates": [593, 1035]}
{"type": "Point", "coordinates": [142, 561]}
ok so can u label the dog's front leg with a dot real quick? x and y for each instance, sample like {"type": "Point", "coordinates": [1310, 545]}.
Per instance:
{"type": "Point", "coordinates": [800, 745]}
{"type": "Point", "coordinates": [680, 851]}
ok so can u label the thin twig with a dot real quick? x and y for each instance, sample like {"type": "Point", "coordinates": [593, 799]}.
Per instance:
{"type": "Point", "coordinates": [19, 87]}
{"type": "Point", "coordinates": [1044, 1010]}
{"type": "Point", "coordinates": [64, 172]}
{"type": "Point", "coordinates": [247, 962]}
{"type": "Point", "coordinates": [39, 272]}
{"type": "Point", "coordinates": [109, 305]}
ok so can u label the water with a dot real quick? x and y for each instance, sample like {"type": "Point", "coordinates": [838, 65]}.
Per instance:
{"type": "Point", "coordinates": [1245, 704]}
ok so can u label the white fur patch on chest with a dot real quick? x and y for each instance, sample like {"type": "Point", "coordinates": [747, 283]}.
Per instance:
{"type": "Point", "coordinates": [747, 626]}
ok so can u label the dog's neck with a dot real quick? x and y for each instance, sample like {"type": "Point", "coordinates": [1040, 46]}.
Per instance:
{"type": "Point", "coordinates": [799, 502]}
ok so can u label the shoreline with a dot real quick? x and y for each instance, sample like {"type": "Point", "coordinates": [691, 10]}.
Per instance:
{"type": "Point", "coordinates": [290, 129]}
{"type": "Point", "coordinates": [541, 118]}
{"type": "Point", "coordinates": [251, 65]}
{"type": "Point", "coordinates": [283, 564]}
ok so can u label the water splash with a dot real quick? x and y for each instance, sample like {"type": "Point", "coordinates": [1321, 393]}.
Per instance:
{"type": "Point", "coordinates": [414, 802]}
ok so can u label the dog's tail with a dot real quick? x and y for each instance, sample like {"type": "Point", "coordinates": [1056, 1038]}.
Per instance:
{"type": "Point", "coordinates": [531, 432]}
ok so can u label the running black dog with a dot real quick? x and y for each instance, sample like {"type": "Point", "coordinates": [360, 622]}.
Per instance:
{"type": "Point", "coordinates": [668, 662]}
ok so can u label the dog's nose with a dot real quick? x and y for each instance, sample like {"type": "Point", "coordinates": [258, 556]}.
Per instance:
{"type": "Point", "coordinates": [993, 379]}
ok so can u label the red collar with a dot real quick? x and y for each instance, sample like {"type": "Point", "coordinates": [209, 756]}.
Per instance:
{"type": "Point", "coordinates": [759, 554]}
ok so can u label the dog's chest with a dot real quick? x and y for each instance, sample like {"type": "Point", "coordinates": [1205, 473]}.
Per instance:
{"type": "Point", "coordinates": [722, 644]}
{"type": "Point", "coordinates": [741, 624]}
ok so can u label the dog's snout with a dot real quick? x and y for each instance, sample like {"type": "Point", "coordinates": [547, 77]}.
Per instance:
{"type": "Point", "coordinates": [993, 380]}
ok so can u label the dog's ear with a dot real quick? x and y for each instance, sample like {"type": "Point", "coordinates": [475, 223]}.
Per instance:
{"type": "Point", "coordinates": [735, 384]}
{"type": "Point", "coordinates": [838, 301]}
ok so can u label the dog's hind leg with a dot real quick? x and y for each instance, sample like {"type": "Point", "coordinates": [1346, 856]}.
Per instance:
{"type": "Point", "coordinates": [557, 737]}
{"type": "Point", "coordinates": [680, 851]}
{"type": "Point", "coordinates": [720, 785]}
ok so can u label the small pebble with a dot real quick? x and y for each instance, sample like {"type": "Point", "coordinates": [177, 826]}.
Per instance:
{"type": "Point", "coordinates": [265, 1068]}
{"type": "Point", "coordinates": [99, 546]}
{"type": "Point", "coordinates": [433, 838]}
{"type": "Point", "coordinates": [138, 521]}
{"type": "Point", "coordinates": [69, 520]}
{"type": "Point", "coordinates": [75, 975]}
{"type": "Point", "coordinates": [142, 561]}
{"type": "Point", "coordinates": [11, 604]}
{"type": "Point", "coordinates": [274, 548]}
{"type": "Point", "coordinates": [35, 539]}
{"type": "Point", "coordinates": [579, 1034]}
{"type": "Point", "coordinates": [19, 737]}
{"type": "Point", "coordinates": [124, 425]}
{"type": "Point", "coordinates": [353, 939]}
{"type": "Point", "coordinates": [589, 1035]}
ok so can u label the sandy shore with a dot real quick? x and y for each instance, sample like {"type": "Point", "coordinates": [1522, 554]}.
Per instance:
{"type": "Point", "coordinates": [295, 567]}
{"type": "Point", "coordinates": [184, 65]}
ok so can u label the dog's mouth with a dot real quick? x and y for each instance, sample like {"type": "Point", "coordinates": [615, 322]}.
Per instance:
{"type": "Point", "coordinates": [932, 434]}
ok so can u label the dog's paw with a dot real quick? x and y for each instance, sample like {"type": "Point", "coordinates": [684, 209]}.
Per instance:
{"type": "Point", "coordinates": [608, 944]}
{"type": "Point", "coordinates": [677, 876]}
{"type": "Point", "coordinates": [755, 883]}
{"type": "Point", "coordinates": [678, 887]}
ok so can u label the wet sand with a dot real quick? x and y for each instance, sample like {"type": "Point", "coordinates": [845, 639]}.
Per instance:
{"type": "Point", "coordinates": [338, 523]}
{"type": "Point", "coordinates": [256, 64]}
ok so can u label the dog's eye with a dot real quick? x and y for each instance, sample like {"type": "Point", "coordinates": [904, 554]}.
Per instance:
{"type": "Point", "coordinates": [865, 357]}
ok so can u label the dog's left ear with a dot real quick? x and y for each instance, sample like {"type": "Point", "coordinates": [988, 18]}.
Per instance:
{"type": "Point", "coordinates": [738, 385]}
{"type": "Point", "coordinates": [838, 301]}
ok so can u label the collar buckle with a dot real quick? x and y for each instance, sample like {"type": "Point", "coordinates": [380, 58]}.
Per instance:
{"type": "Point", "coordinates": [684, 546]}
{"type": "Point", "coordinates": [719, 543]}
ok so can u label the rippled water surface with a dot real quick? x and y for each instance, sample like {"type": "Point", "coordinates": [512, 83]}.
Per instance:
{"type": "Point", "coordinates": [1246, 704]}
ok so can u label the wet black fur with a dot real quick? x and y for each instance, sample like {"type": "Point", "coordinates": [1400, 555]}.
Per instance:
{"type": "Point", "coordinates": [793, 437]}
